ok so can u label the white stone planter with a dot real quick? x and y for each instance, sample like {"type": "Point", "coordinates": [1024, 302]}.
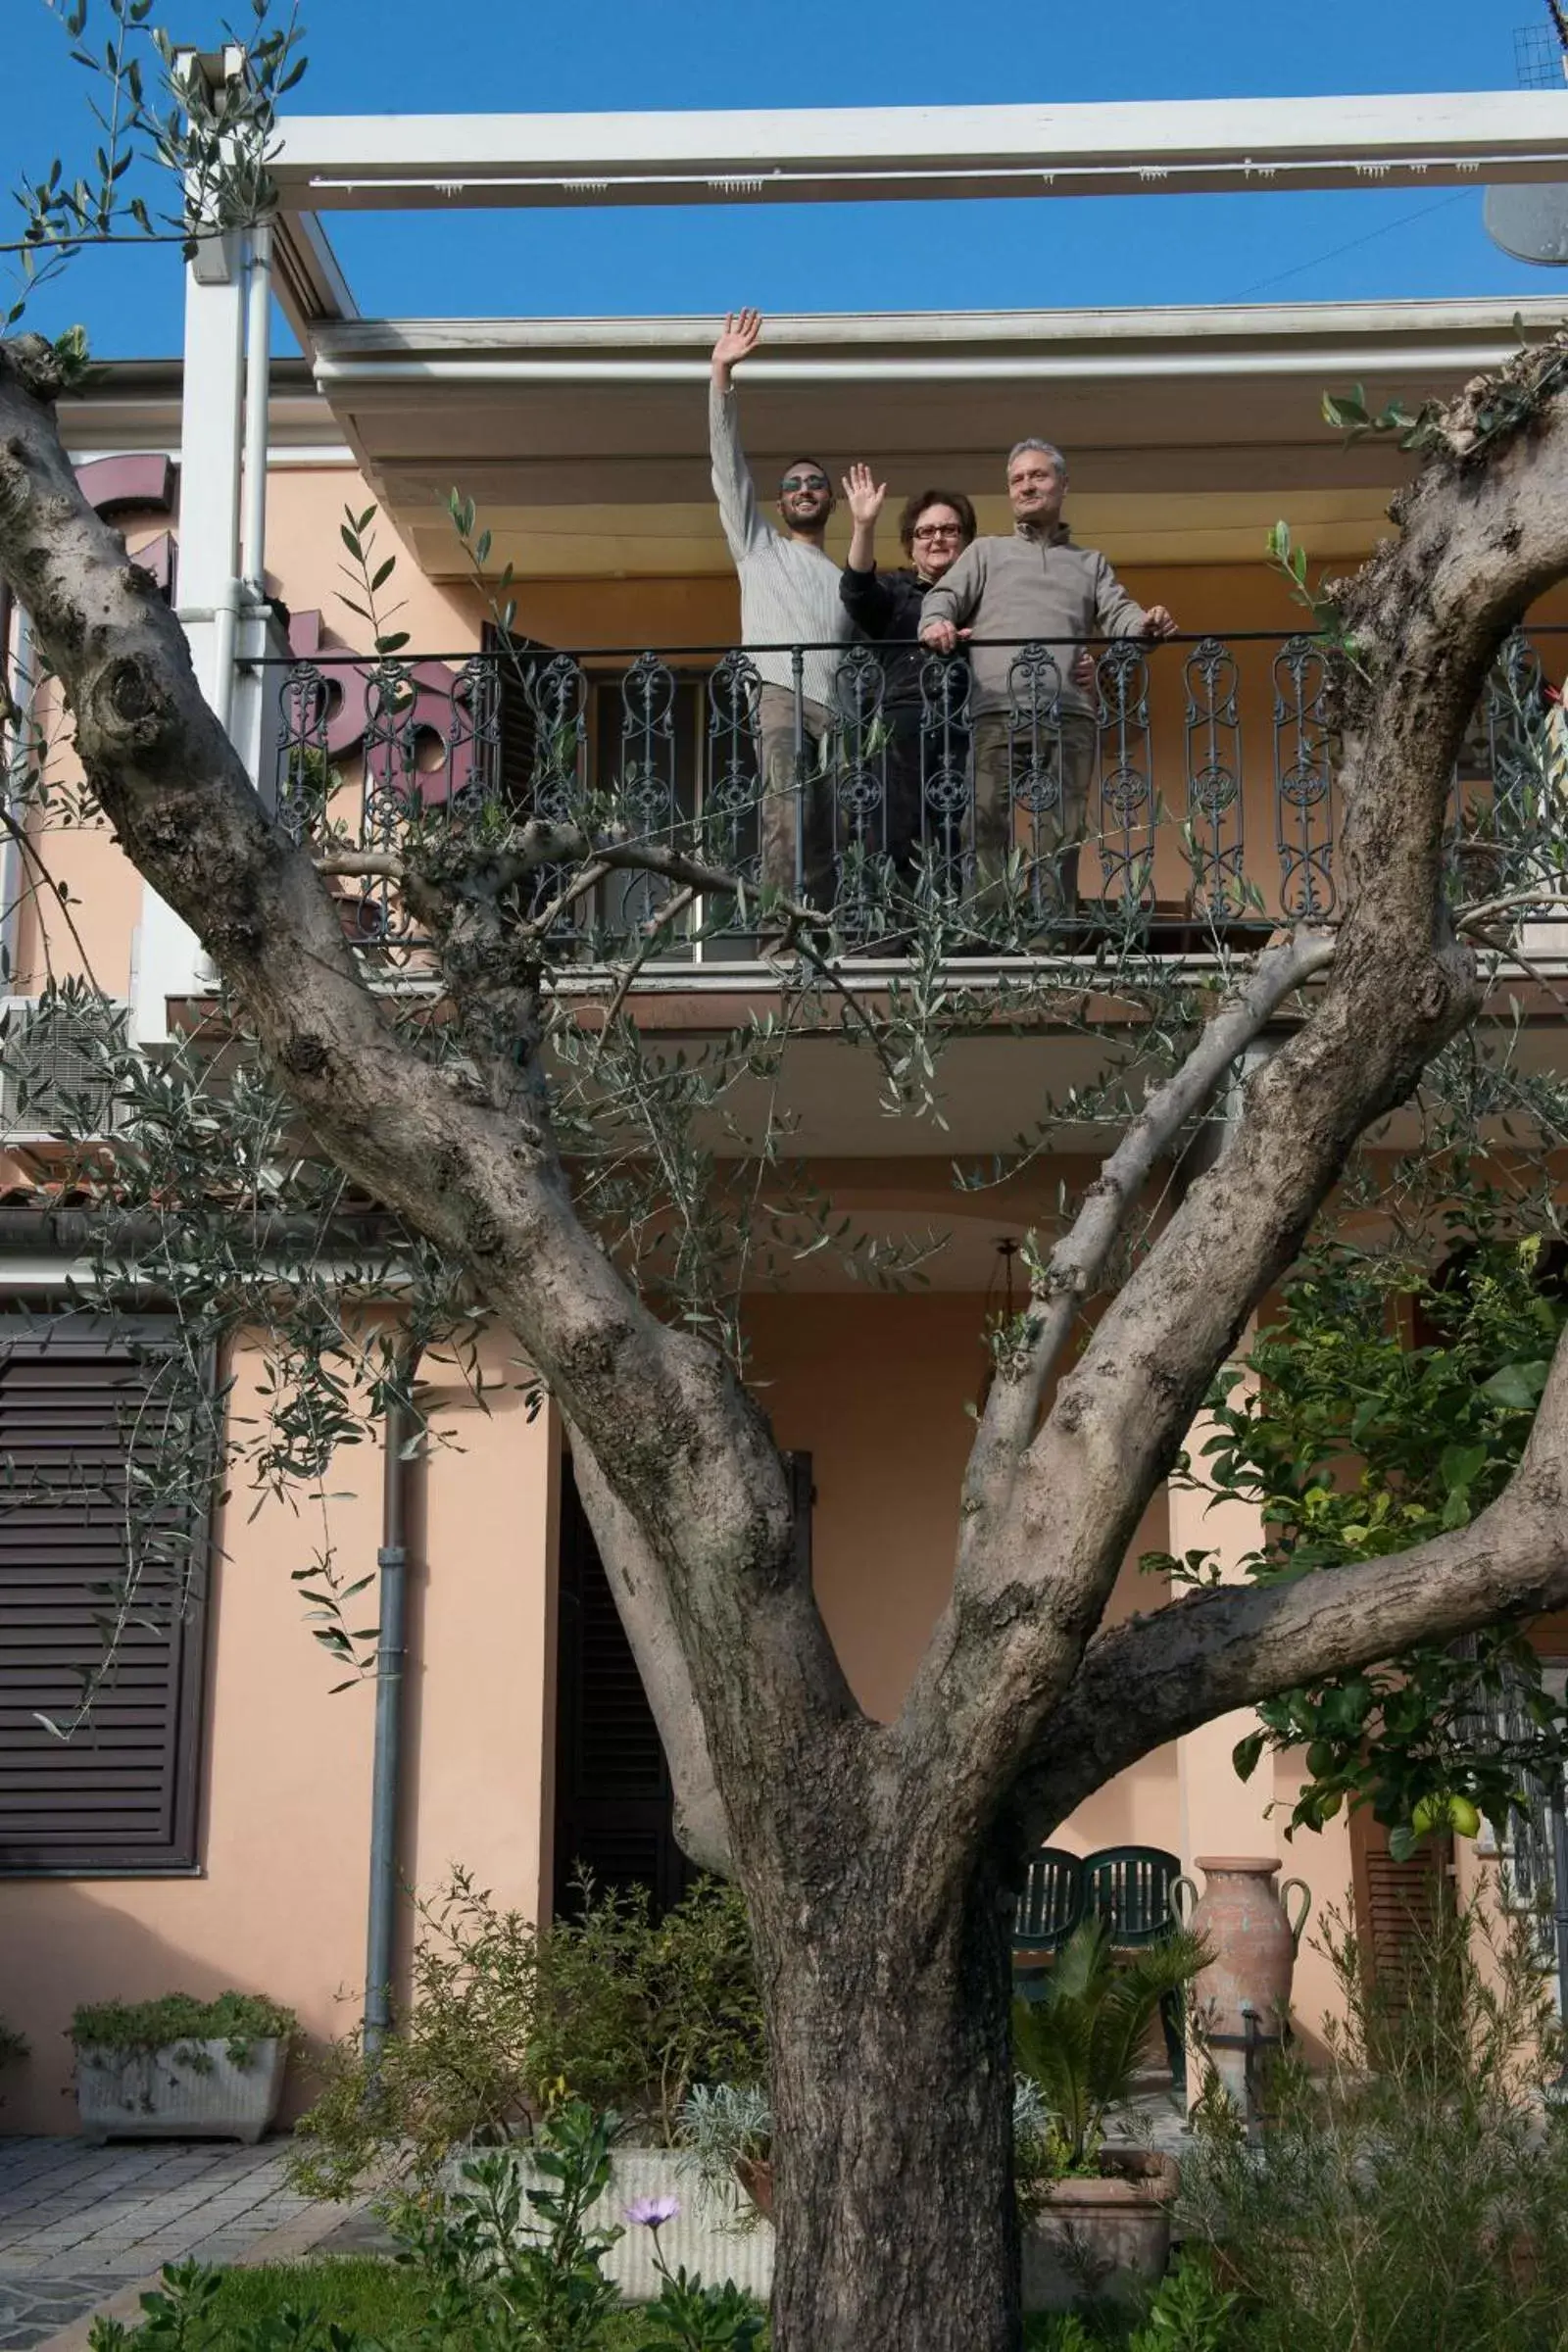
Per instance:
{"type": "Point", "coordinates": [701, 2236]}
{"type": "Point", "coordinates": [186, 2090]}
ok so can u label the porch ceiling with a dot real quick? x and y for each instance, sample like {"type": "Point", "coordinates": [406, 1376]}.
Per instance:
{"type": "Point", "coordinates": [584, 441]}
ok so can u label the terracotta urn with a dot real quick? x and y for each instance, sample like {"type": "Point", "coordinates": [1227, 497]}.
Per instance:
{"type": "Point", "coordinates": [1241, 1915]}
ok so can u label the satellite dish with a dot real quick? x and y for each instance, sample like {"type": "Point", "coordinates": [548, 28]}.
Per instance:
{"type": "Point", "coordinates": [1530, 222]}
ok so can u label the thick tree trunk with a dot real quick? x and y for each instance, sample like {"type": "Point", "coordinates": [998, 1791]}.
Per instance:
{"type": "Point", "coordinates": [892, 2104]}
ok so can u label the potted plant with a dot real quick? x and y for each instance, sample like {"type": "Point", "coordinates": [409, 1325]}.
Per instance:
{"type": "Point", "coordinates": [726, 2131]}
{"type": "Point", "coordinates": [180, 2068]}
{"type": "Point", "coordinates": [1096, 2215]}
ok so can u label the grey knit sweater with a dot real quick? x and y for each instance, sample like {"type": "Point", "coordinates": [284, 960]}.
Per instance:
{"type": "Point", "coordinates": [1035, 590]}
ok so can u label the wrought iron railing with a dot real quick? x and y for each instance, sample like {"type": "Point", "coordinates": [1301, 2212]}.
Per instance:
{"type": "Point", "coordinates": [1171, 794]}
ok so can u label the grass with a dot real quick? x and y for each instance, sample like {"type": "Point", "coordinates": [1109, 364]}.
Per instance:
{"type": "Point", "coordinates": [361, 2291]}
{"type": "Point", "coordinates": [382, 2299]}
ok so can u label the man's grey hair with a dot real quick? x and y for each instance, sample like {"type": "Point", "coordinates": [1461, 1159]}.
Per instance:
{"type": "Point", "coordinates": [1046, 449]}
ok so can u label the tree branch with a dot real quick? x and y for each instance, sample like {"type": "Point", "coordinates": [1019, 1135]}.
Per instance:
{"type": "Point", "coordinates": [1484, 531]}
{"type": "Point", "coordinates": [1156, 1677]}
{"type": "Point", "coordinates": [1079, 1259]}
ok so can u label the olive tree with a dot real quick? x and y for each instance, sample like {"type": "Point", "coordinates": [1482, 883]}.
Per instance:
{"type": "Point", "coordinates": [879, 1860]}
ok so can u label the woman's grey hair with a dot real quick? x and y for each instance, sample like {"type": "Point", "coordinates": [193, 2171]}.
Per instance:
{"type": "Point", "coordinates": [1046, 449]}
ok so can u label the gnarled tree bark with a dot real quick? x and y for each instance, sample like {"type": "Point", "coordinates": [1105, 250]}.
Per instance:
{"type": "Point", "coordinates": [878, 1859]}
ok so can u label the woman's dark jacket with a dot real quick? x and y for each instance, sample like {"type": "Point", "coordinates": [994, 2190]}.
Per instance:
{"type": "Point", "coordinates": [885, 605]}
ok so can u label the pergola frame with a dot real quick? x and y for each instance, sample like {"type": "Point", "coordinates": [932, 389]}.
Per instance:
{"type": "Point", "coordinates": [356, 162]}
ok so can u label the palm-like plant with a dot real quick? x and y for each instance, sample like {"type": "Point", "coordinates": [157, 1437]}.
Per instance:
{"type": "Point", "coordinates": [1082, 2039]}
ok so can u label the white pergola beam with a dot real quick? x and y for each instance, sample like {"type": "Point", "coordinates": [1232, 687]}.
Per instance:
{"type": "Point", "coordinates": [405, 162]}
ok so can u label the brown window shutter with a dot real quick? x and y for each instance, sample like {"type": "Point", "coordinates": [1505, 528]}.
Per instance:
{"type": "Point", "coordinates": [85, 1405]}
{"type": "Point", "coordinates": [1393, 1900]}
{"type": "Point", "coordinates": [517, 752]}
{"type": "Point", "coordinates": [615, 1807]}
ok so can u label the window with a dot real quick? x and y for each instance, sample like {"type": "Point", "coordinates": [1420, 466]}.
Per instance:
{"type": "Point", "coordinates": [104, 1559]}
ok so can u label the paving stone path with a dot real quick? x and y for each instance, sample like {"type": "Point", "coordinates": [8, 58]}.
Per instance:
{"type": "Point", "coordinates": [77, 2223]}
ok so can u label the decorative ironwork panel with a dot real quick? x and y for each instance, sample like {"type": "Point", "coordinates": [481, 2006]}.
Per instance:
{"type": "Point", "coordinates": [303, 764]}
{"type": "Point", "coordinates": [557, 698]}
{"type": "Point", "coordinates": [645, 789]}
{"type": "Point", "coordinates": [726, 828]}
{"type": "Point", "coordinates": [1304, 784]}
{"type": "Point", "coordinates": [1032, 799]}
{"type": "Point", "coordinates": [474, 740]}
{"type": "Point", "coordinates": [1127, 812]}
{"type": "Point", "coordinates": [395, 794]}
{"type": "Point", "coordinates": [556, 695]}
{"type": "Point", "coordinates": [861, 834]}
{"type": "Point", "coordinates": [946, 743]}
{"type": "Point", "coordinates": [916, 781]}
{"type": "Point", "coordinates": [1215, 830]}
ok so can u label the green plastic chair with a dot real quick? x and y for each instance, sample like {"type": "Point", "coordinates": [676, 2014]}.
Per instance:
{"type": "Point", "coordinates": [1049, 1909]}
{"type": "Point", "coordinates": [1130, 1887]}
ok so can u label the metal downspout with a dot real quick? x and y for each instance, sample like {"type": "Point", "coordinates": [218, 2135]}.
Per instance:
{"type": "Point", "coordinates": [386, 1773]}
{"type": "Point", "coordinates": [258, 388]}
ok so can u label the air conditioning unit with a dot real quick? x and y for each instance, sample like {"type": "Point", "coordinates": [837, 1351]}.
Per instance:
{"type": "Point", "coordinates": [58, 1078]}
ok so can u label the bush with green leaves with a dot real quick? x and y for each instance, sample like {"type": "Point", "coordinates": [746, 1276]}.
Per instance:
{"type": "Point", "coordinates": [504, 2019]}
{"type": "Point", "coordinates": [179, 2022]}
{"type": "Point", "coordinates": [1355, 1441]}
{"type": "Point", "coordinates": [1188, 2312]}
{"type": "Point", "coordinates": [1413, 2195]}
{"type": "Point", "coordinates": [634, 2011]}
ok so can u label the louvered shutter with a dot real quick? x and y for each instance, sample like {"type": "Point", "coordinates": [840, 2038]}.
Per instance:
{"type": "Point", "coordinates": [1393, 1900]}
{"type": "Point", "coordinates": [88, 1409]}
{"type": "Point", "coordinates": [515, 782]}
{"type": "Point", "coordinates": [614, 1809]}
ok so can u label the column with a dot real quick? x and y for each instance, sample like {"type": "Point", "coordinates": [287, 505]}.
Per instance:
{"type": "Point", "coordinates": [168, 957]}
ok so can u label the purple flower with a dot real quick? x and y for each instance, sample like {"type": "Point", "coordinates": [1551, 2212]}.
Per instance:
{"type": "Point", "coordinates": [653, 2212]}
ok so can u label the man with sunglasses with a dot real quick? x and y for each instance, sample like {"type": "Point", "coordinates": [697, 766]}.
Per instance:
{"type": "Point", "coordinates": [788, 596]}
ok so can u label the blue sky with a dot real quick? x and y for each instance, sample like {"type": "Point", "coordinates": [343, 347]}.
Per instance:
{"type": "Point", "coordinates": [402, 55]}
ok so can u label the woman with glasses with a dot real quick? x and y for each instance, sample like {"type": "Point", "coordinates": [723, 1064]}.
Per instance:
{"type": "Point", "coordinates": [926, 755]}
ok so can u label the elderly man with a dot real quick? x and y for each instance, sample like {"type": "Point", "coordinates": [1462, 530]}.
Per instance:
{"type": "Point", "coordinates": [1035, 587]}
{"type": "Point", "coordinates": [788, 596]}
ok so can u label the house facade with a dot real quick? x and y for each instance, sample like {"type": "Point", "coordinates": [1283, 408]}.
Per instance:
{"type": "Point", "coordinates": [213, 1824]}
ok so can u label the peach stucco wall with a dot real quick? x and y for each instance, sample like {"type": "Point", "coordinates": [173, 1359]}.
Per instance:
{"type": "Point", "coordinates": [875, 1388]}
{"type": "Point", "coordinates": [279, 1904]}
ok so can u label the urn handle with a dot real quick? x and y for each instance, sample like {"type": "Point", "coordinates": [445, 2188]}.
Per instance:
{"type": "Point", "coordinates": [1183, 1900]}
{"type": "Point", "coordinates": [1300, 1921]}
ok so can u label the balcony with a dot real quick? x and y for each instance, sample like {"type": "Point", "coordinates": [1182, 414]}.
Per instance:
{"type": "Point", "coordinates": [1212, 812]}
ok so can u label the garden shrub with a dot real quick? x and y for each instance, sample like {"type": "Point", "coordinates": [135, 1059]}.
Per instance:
{"type": "Point", "coordinates": [133, 2029]}
{"type": "Point", "coordinates": [504, 2019]}
{"type": "Point", "coordinates": [1413, 2195]}
{"type": "Point", "coordinates": [495, 2268]}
